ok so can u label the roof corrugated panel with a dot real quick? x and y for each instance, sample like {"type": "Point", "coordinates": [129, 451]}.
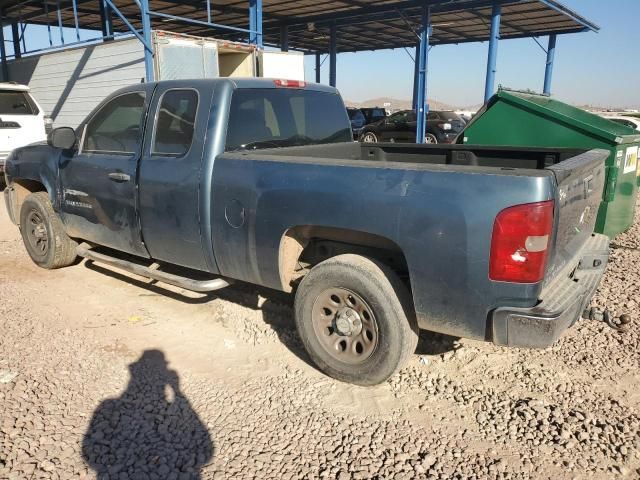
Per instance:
{"type": "Point", "coordinates": [361, 24]}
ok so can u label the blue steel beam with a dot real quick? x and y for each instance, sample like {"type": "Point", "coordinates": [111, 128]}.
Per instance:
{"type": "Point", "coordinates": [317, 67]}
{"type": "Point", "coordinates": [416, 59]}
{"type": "Point", "coordinates": [492, 58]}
{"type": "Point", "coordinates": [3, 51]}
{"type": "Point", "coordinates": [60, 23]}
{"type": "Point", "coordinates": [15, 37]}
{"type": "Point", "coordinates": [75, 18]}
{"type": "Point", "coordinates": [433, 42]}
{"type": "Point", "coordinates": [146, 33]}
{"type": "Point", "coordinates": [46, 10]}
{"type": "Point", "coordinates": [422, 108]}
{"type": "Point", "coordinates": [255, 22]}
{"type": "Point", "coordinates": [146, 42]}
{"type": "Point", "coordinates": [333, 50]}
{"type": "Point", "coordinates": [155, 13]}
{"type": "Point", "coordinates": [548, 71]}
{"type": "Point", "coordinates": [284, 38]}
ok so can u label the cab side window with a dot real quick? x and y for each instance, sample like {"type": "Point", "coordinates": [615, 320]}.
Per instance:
{"type": "Point", "coordinates": [175, 123]}
{"type": "Point", "coordinates": [117, 127]}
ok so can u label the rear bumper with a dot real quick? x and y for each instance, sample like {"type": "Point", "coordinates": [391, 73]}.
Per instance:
{"type": "Point", "coordinates": [562, 302]}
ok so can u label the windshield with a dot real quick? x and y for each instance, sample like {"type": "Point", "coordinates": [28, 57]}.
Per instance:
{"type": "Point", "coordinates": [280, 117]}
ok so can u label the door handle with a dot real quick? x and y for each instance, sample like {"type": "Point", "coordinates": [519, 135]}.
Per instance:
{"type": "Point", "coordinates": [119, 177]}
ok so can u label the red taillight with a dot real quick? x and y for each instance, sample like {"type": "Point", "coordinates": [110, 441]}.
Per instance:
{"type": "Point", "coordinates": [289, 83]}
{"type": "Point", "coordinates": [520, 243]}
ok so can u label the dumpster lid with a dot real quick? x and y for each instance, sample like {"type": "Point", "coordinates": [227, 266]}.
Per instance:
{"type": "Point", "coordinates": [578, 118]}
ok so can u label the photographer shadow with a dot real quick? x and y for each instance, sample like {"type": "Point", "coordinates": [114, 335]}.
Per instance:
{"type": "Point", "coordinates": [149, 432]}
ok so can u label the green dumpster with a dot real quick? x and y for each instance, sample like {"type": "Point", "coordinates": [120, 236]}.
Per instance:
{"type": "Point", "coordinates": [525, 119]}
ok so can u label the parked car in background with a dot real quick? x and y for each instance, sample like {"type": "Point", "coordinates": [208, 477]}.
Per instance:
{"type": "Point", "coordinates": [22, 121]}
{"type": "Point", "coordinates": [631, 122]}
{"type": "Point", "coordinates": [373, 114]}
{"type": "Point", "coordinates": [357, 119]}
{"type": "Point", "coordinates": [466, 115]}
{"type": "Point", "coordinates": [442, 127]}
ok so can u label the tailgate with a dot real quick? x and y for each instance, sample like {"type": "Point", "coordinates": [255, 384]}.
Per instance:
{"type": "Point", "coordinates": [580, 182]}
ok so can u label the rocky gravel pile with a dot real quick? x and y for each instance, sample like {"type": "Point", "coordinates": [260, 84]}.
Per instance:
{"type": "Point", "coordinates": [73, 406]}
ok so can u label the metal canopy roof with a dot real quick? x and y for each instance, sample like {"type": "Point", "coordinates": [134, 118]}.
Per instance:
{"type": "Point", "coordinates": [361, 24]}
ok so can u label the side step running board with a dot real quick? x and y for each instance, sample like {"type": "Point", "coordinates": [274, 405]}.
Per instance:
{"type": "Point", "coordinates": [152, 272]}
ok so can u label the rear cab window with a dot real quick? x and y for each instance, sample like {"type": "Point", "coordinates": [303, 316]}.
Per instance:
{"type": "Point", "coordinates": [175, 123]}
{"type": "Point", "coordinates": [280, 117]}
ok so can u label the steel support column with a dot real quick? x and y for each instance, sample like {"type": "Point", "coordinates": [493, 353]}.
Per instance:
{"type": "Point", "coordinates": [548, 72]}
{"type": "Point", "coordinates": [317, 68]}
{"type": "Point", "coordinates": [146, 34]}
{"type": "Point", "coordinates": [284, 38]}
{"type": "Point", "coordinates": [3, 52]}
{"type": "Point", "coordinates": [414, 97]}
{"type": "Point", "coordinates": [333, 50]}
{"type": "Point", "coordinates": [106, 20]}
{"type": "Point", "coordinates": [255, 22]}
{"type": "Point", "coordinates": [15, 36]}
{"type": "Point", "coordinates": [422, 108]}
{"type": "Point", "coordinates": [492, 57]}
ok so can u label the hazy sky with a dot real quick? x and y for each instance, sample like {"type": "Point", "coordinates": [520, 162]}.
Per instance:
{"type": "Point", "coordinates": [601, 69]}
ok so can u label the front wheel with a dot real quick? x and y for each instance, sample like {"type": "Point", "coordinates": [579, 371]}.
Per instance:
{"type": "Point", "coordinates": [43, 234]}
{"type": "Point", "coordinates": [369, 137]}
{"type": "Point", "coordinates": [430, 138]}
{"type": "Point", "coordinates": [355, 318]}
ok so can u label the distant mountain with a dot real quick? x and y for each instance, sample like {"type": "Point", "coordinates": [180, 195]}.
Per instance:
{"type": "Point", "coordinates": [396, 104]}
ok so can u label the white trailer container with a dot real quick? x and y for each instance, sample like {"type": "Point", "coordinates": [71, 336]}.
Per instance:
{"type": "Point", "coordinates": [289, 65]}
{"type": "Point", "coordinates": [69, 83]}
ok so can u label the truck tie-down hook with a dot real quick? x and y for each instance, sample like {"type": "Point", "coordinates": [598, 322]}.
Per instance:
{"type": "Point", "coordinates": [593, 313]}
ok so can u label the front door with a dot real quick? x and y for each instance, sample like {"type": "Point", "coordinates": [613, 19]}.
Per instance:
{"type": "Point", "coordinates": [99, 198]}
{"type": "Point", "coordinates": [394, 129]}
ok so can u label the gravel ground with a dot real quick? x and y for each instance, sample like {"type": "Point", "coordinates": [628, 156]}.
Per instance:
{"type": "Point", "coordinates": [110, 377]}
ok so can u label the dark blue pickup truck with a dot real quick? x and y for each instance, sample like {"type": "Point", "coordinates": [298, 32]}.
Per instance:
{"type": "Point", "coordinates": [199, 183]}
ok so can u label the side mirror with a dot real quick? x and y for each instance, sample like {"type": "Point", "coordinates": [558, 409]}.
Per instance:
{"type": "Point", "coordinates": [63, 138]}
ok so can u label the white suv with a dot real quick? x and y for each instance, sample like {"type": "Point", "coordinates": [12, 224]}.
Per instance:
{"type": "Point", "coordinates": [22, 121]}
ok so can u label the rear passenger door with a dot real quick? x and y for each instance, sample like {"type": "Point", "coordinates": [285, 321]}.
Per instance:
{"type": "Point", "coordinates": [170, 173]}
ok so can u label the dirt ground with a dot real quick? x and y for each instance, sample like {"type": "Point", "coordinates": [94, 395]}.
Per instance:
{"type": "Point", "coordinates": [103, 375]}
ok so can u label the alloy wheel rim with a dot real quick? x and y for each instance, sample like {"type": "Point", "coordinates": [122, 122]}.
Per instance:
{"type": "Point", "coordinates": [37, 233]}
{"type": "Point", "coordinates": [345, 325]}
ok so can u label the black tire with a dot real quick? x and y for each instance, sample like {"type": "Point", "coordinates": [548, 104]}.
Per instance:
{"type": "Point", "coordinates": [369, 137]}
{"type": "Point", "coordinates": [43, 235]}
{"type": "Point", "coordinates": [378, 289]}
{"type": "Point", "coordinates": [430, 138]}
{"type": "Point", "coordinates": [3, 184]}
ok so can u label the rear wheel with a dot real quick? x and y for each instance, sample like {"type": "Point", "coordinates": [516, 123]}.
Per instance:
{"type": "Point", "coordinates": [369, 137]}
{"type": "Point", "coordinates": [43, 235]}
{"type": "Point", "coordinates": [355, 319]}
{"type": "Point", "coordinates": [430, 138]}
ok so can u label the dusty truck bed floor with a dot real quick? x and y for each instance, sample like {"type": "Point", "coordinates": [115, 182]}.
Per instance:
{"type": "Point", "coordinates": [103, 375]}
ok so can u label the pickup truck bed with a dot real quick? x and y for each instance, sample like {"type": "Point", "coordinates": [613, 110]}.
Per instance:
{"type": "Point", "coordinates": [431, 208]}
{"type": "Point", "coordinates": [375, 240]}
